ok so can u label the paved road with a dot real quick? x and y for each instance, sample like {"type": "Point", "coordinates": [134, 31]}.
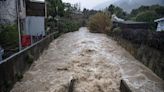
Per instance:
{"type": "Point", "coordinates": [94, 60]}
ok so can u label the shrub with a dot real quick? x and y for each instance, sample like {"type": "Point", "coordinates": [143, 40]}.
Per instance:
{"type": "Point", "coordinates": [117, 30]}
{"type": "Point", "coordinates": [63, 25]}
{"type": "Point", "coordinates": [67, 25]}
{"type": "Point", "coordinates": [100, 22]}
{"type": "Point", "coordinates": [9, 37]}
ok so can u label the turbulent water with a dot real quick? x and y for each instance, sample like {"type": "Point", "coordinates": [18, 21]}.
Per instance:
{"type": "Point", "coordinates": [89, 58]}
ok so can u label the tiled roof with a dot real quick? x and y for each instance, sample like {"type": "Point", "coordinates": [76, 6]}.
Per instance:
{"type": "Point", "coordinates": [157, 20]}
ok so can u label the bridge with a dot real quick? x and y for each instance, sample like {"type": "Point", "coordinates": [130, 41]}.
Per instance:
{"type": "Point", "coordinates": [77, 62]}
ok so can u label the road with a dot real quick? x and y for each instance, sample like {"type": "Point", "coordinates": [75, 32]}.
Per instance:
{"type": "Point", "coordinates": [96, 62]}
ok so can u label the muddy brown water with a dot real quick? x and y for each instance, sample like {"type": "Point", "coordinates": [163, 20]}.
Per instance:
{"type": "Point", "coordinates": [90, 58]}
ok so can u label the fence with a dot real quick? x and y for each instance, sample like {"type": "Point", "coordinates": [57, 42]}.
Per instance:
{"type": "Point", "coordinates": [141, 36]}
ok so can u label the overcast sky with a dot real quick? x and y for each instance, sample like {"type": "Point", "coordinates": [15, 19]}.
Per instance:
{"type": "Point", "coordinates": [89, 4]}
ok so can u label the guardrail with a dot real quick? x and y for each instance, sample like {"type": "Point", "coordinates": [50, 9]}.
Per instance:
{"type": "Point", "coordinates": [13, 68]}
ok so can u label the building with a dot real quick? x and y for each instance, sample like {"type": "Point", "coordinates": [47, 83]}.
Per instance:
{"type": "Point", "coordinates": [160, 26]}
{"type": "Point", "coordinates": [7, 11]}
{"type": "Point", "coordinates": [115, 18]}
{"type": "Point", "coordinates": [10, 10]}
{"type": "Point", "coordinates": [118, 22]}
{"type": "Point", "coordinates": [33, 26]}
{"type": "Point", "coordinates": [131, 25]}
{"type": "Point", "coordinates": [35, 20]}
{"type": "Point", "coordinates": [29, 15]}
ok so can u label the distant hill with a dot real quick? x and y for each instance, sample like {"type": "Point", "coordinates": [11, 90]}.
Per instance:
{"type": "Point", "coordinates": [128, 5]}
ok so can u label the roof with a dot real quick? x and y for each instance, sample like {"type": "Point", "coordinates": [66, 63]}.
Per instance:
{"type": "Point", "coordinates": [130, 22]}
{"type": "Point", "coordinates": [157, 20]}
{"type": "Point", "coordinates": [115, 18]}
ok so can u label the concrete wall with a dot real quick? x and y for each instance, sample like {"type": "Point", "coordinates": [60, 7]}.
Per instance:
{"type": "Point", "coordinates": [138, 77]}
{"type": "Point", "coordinates": [13, 68]}
{"type": "Point", "coordinates": [150, 57]}
{"type": "Point", "coordinates": [7, 11]}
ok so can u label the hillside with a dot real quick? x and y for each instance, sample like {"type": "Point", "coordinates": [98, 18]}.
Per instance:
{"type": "Point", "coordinates": [128, 5]}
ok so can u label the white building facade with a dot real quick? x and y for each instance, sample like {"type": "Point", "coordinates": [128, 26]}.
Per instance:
{"type": "Point", "coordinates": [28, 15]}
{"type": "Point", "coordinates": [160, 26]}
{"type": "Point", "coordinates": [35, 20]}
{"type": "Point", "coordinates": [35, 25]}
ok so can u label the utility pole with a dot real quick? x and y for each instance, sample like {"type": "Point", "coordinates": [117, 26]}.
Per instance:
{"type": "Point", "coordinates": [18, 25]}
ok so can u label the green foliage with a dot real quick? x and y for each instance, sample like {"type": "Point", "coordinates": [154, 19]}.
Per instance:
{"type": "Point", "coordinates": [137, 11]}
{"type": "Point", "coordinates": [87, 13]}
{"type": "Point", "coordinates": [100, 22]}
{"type": "Point", "coordinates": [55, 7]}
{"type": "Point", "coordinates": [147, 13]}
{"type": "Point", "coordinates": [19, 76]}
{"type": "Point", "coordinates": [64, 25]}
{"type": "Point", "coordinates": [70, 9]}
{"type": "Point", "coordinates": [111, 9]}
{"type": "Point", "coordinates": [160, 10]}
{"type": "Point", "coordinates": [64, 19]}
{"type": "Point", "coordinates": [117, 11]}
{"type": "Point", "coordinates": [67, 25]}
{"type": "Point", "coordinates": [9, 36]}
{"type": "Point", "coordinates": [147, 16]}
{"type": "Point", "coordinates": [117, 30]}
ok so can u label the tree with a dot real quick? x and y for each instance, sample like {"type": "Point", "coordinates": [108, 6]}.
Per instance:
{"type": "Point", "coordinates": [100, 22]}
{"type": "Point", "coordinates": [160, 11]}
{"type": "Point", "coordinates": [147, 13]}
{"type": "Point", "coordinates": [68, 9]}
{"type": "Point", "coordinates": [111, 9]}
{"type": "Point", "coordinates": [117, 11]}
{"type": "Point", "coordinates": [140, 9]}
{"type": "Point", "coordinates": [120, 13]}
{"type": "Point", "coordinates": [148, 16]}
{"type": "Point", "coordinates": [55, 7]}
